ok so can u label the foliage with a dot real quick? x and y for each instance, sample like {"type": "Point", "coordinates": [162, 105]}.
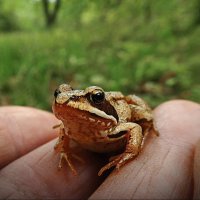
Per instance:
{"type": "Point", "coordinates": [145, 47]}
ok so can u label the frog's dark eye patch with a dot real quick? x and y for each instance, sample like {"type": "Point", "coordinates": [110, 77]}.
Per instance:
{"type": "Point", "coordinates": [97, 99]}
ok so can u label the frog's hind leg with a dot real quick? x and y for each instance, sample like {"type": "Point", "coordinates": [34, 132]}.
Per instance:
{"type": "Point", "coordinates": [62, 146]}
{"type": "Point", "coordinates": [133, 146]}
{"type": "Point", "coordinates": [141, 112]}
{"type": "Point", "coordinates": [140, 109]}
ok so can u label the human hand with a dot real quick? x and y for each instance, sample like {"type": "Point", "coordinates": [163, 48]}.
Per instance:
{"type": "Point", "coordinates": [164, 169]}
{"type": "Point", "coordinates": [29, 163]}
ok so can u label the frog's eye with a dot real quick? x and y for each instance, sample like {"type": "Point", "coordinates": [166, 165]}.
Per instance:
{"type": "Point", "coordinates": [97, 96]}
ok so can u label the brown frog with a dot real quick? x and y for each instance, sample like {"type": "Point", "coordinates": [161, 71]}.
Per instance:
{"type": "Point", "coordinates": [101, 122]}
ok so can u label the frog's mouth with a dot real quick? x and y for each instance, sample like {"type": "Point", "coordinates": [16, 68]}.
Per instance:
{"type": "Point", "coordinates": [96, 118]}
{"type": "Point", "coordinates": [91, 112]}
{"type": "Point", "coordinates": [100, 121]}
{"type": "Point", "coordinates": [120, 134]}
{"type": "Point", "coordinates": [101, 114]}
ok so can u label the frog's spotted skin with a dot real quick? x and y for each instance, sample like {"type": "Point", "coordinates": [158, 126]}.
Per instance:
{"type": "Point", "coordinates": [101, 122]}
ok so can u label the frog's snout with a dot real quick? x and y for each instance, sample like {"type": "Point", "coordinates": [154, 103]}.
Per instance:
{"type": "Point", "coordinates": [61, 97]}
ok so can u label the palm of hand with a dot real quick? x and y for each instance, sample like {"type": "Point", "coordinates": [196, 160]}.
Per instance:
{"type": "Point", "coordinates": [163, 170]}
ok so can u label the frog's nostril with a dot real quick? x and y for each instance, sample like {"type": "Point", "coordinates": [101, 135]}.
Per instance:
{"type": "Point", "coordinates": [57, 91]}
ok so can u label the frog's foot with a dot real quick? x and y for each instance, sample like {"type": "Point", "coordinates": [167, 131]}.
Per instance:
{"type": "Point", "coordinates": [57, 126]}
{"type": "Point", "coordinates": [118, 161]}
{"type": "Point", "coordinates": [67, 157]}
{"type": "Point", "coordinates": [155, 131]}
{"type": "Point", "coordinates": [57, 145]}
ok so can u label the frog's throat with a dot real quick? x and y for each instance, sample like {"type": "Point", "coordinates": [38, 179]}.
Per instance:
{"type": "Point", "coordinates": [93, 110]}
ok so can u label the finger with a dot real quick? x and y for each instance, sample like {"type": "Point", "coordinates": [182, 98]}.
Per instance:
{"type": "Point", "coordinates": [23, 129]}
{"type": "Point", "coordinates": [164, 167]}
{"type": "Point", "coordinates": [197, 172]}
{"type": "Point", "coordinates": [36, 176]}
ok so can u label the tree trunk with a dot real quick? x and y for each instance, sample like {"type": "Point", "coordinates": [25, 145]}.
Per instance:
{"type": "Point", "coordinates": [50, 15]}
{"type": "Point", "coordinates": [147, 11]}
{"type": "Point", "coordinates": [197, 14]}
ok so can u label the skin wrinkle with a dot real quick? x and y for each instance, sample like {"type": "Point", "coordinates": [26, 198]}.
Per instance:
{"type": "Point", "coordinates": [13, 184]}
{"type": "Point", "coordinates": [182, 143]}
{"type": "Point", "coordinates": [115, 180]}
{"type": "Point", "coordinates": [77, 190]}
{"type": "Point", "coordinates": [163, 161]}
{"type": "Point", "coordinates": [12, 143]}
{"type": "Point", "coordinates": [163, 127]}
{"type": "Point", "coordinates": [19, 137]}
{"type": "Point", "coordinates": [39, 160]}
{"type": "Point", "coordinates": [32, 170]}
{"type": "Point", "coordinates": [43, 183]}
{"type": "Point", "coordinates": [9, 140]}
{"type": "Point", "coordinates": [10, 183]}
{"type": "Point", "coordinates": [22, 137]}
{"type": "Point", "coordinates": [179, 186]}
{"type": "Point", "coordinates": [138, 185]}
{"type": "Point", "coordinates": [65, 177]}
{"type": "Point", "coordinates": [189, 183]}
{"type": "Point", "coordinates": [174, 190]}
{"type": "Point", "coordinates": [153, 172]}
{"type": "Point", "coordinates": [176, 186]}
{"type": "Point", "coordinates": [24, 186]}
{"type": "Point", "coordinates": [170, 155]}
{"type": "Point", "coordinates": [18, 148]}
{"type": "Point", "coordinates": [138, 174]}
{"type": "Point", "coordinates": [36, 165]}
{"type": "Point", "coordinates": [9, 195]}
{"type": "Point", "coordinates": [187, 186]}
{"type": "Point", "coordinates": [196, 175]}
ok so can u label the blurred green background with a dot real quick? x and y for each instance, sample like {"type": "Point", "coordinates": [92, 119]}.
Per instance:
{"type": "Point", "coordinates": [147, 47]}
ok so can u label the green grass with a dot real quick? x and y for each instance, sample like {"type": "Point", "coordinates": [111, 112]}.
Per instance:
{"type": "Point", "coordinates": [157, 60]}
{"type": "Point", "coordinates": [32, 67]}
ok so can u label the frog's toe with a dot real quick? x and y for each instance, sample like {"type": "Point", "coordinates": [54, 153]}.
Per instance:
{"type": "Point", "coordinates": [117, 161]}
{"type": "Point", "coordinates": [56, 146]}
{"type": "Point", "coordinates": [66, 157]}
{"type": "Point", "coordinates": [106, 167]}
{"type": "Point", "coordinates": [125, 157]}
{"type": "Point", "coordinates": [113, 163]}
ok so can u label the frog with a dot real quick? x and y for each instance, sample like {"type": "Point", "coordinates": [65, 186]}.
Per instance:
{"type": "Point", "coordinates": [102, 122]}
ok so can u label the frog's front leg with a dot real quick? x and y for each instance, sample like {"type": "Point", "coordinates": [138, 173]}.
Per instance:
{"type": "Point", "coordinates": [62, 146]}
{"type": "Point", "coordinates": [134, 140]}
